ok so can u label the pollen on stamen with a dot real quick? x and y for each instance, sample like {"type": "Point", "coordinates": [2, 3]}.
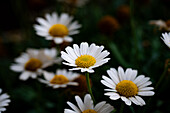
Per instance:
{"type": "Point", "coordinates": [58, 30]}
{"type": "Point", "coordinates": [85, 61]}
{"type": "Point", "coordinates": [59, 79]}
{"type": "Point", "coordinates": [33, 64]}
{"type": "Point", "coordinates": [127, 88]}
{"type": "Point", "coordinates": [89, 111]}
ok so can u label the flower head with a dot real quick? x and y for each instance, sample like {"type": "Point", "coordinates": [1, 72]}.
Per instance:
{"type": "Point", "coordinates": [108, 25]}
{"type": "Point", "coordinates": [77, 3]}
{"type": "Point", "coordinates": [85, 57]}
{"type": "Point", "coordinates": [33, 61]}
{"type": "Point", "coordinates": [4, 101]}
{"type": "Point", "coordinates": [88, 107]}
{"type": "Point", "coordinates": [127, 86]}
{"type": "Point", "coordinates": [57, 28]}
{"type": "Point", "coordinates": [61, 79]}
{"type": "Point", "coordinates": [162, 25]}
{"type": "Point", "coordinates": [166, 38]}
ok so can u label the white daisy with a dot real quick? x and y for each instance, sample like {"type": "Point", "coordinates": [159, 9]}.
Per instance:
{"type": "Point", "coordinates": [88, 107]}
{"type": "Point", "coordinates": [4, 101]}
{"type": "Point", "coordinates": [57, 28]}
{"type": "Point", "coordinates": [33, 61]}
{"type": "Point", "coordinates": [61, 79]}
{"type": "Point", "coordinates": [166, 38]}
{"type": "Point", "coordinates": [77, 3]}
{"type": "Point", "coordinates": [85, 57]}
{"type": "Point", "coordinates": [163, 25]}
{"type": "Point", "coordinates": [127, 86]}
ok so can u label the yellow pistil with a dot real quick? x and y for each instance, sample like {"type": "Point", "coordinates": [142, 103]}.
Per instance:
{"type": "Point", "coordinates": [89, 111]}
{"type": "Point", "coordinates": [127, 88]}
{"type": "Point", "coordinates": [59, 79]}
{"type": "Point", "coordinates": [85, 61]}
{"type": "Point", "coordinates": [58, 30]}
{"type": "Point", "coordinates": [33, 64]}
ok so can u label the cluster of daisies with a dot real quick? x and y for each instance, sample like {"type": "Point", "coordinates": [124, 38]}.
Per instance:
{"type": "Point", "coordinates": [120, 83]}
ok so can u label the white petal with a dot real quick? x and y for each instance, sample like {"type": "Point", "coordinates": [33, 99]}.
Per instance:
{"type": "Point", "coordinates": [48, 76]}
{"type": "Point", "coordinates": [71, 52]}
{"type": "Point", "coordinates": [58, 40]}
{"type": "Point", "coordinates": [73, 107]}
{"type": "Point", "coordinates": [146, 93]}
{"type": "Point", "coordinates": [139, 99]}
{"type": "Point", "coordinates": [88, 102]}
{"type": "Point", "coordinates": [99, 105]}
{"type": "Point", "coordinates": [70, 111]}
{"type": "Point", "coordinates": [121, 73]}
{"type": "Point", "coordinates": [126, 100]}
{"type": "Point", "coordinates": [84, 48]}
{"type": "Point", "coordinates": [107, 84]}
{"type": "Point", "coordinates": [109, 81]}
{"type": "Point", "coordinates": [80, 103]}
{"type": "Point", "coordinates": [17, 68]}
{"type": "Point", "coordinates": [68, 39]}
{"type": "Point", "coordinates": [76, 49]}
{"type": "Point", "coordinates": [113, 76]}
{"type": "Point", "coordinates": [24, 76]}
{"type": "Point", "coordinates": [134, 101]}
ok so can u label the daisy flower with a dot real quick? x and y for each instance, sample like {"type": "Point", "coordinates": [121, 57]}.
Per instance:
{"type": "Point", "coordinates": [127, 86]}
{"type": "Point", "coordinates": [77, 3]}
{"type": "Point", "coordinates": [57, 28]}
{"type": "Point", "coordinates": [4, 101]}
{"type": "Point", "coordinates": [166, 38]}
{"type": "Point", "coordinates": [161, 24]}
{"type": "Point", "coordinates": [32, 62]}
{"type": "Point", "coordinates": [85, 57]}
{"type": "Point", "coordinates": [61, 79]}
{"type": "Point", "coordinates": [88, 107]}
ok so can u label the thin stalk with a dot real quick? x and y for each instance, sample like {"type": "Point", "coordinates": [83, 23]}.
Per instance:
{"type": "Point", "coordinates": [162, 77]}
{"type": "Point", "coordinates": [118, 55]}
{"type": "Point", "coordinates": [122, 107]}
{"type": "Point", "coordinates": [89, 86]}
{"type": "Point", "coordinates": [157, 85]}
{"type": "Point", "coordinates": [133, 29]}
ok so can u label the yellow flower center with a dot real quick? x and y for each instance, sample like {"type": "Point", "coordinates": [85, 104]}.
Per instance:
{"type": "Point", "coordinates": [89, 111]}
{"type": "Point", "coordinates": [58, 30]}
{"type": "Point", "coordinates": [85, 61]}
{"type": "Point", "coordinates": [33, 64]}
{"type": "Point", "coordinates": [127, 88]}
{"type": "Point", "coordinates": [59, 79]}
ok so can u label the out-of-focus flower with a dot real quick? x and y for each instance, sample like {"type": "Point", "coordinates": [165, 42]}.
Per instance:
{"type": "Point", "coordinates": [81, 89]}
{"type": "Point", "coordinates": [61, 79]}
{"type": "Point", "coordinates": [4, 101]}
{"type": "Point", "coordinates": [88, 107]}
{"type": "Point", "coordinates": [77, 3]}
{"type": "Point", "coordinates": [33, 61]}
{"type": "Point", "coordinates": [162, 25]}
{"type": "Point", "coordinates": [57, 28]}
{"type": "Point", "coordinates": [167, 63]}
{"type": "Point", "coordinates": [166, 38]}
{"type": "Point", "coordinates": [127, 86]}
{"type": "Point", "coordinates": [108, 25]}
{"type": "Point", "coordinates": [85, 57]}
{"type": "Point", "coordinates": [123, 13]}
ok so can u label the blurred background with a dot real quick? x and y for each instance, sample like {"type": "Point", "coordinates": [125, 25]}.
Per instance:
{"type": "Point", "coordinates": [122, 26]}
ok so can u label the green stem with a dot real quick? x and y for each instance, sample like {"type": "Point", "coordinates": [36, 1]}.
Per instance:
{"type": "Point", "coordinates": [89, 86]}
{"type": "Point", "coordinates": [162, 77]}
{"type": "Point", "coordinates": [122, 107]}
{"type": "Point", "coordinates": [156, 87]}
{"type": "Point", "coordinates": [118, 55]}
{"type": "Point", "coordinates": [132, 109]}
{"type": "Point", "coordinates": [133, 29]}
